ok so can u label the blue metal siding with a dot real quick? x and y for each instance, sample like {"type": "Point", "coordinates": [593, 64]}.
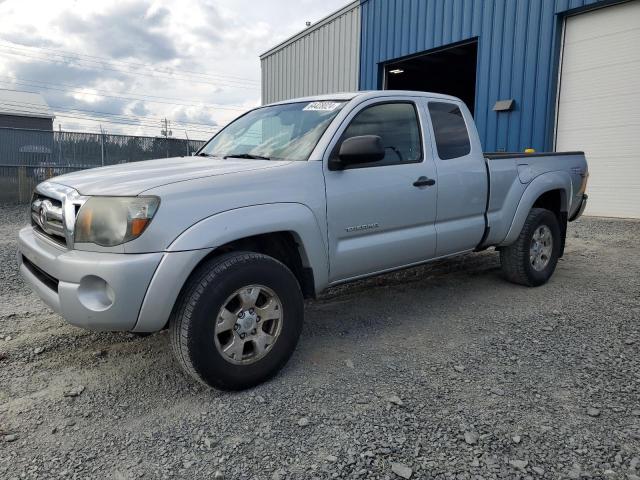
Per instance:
{"type": "Point", "coordinates": [518, 52]}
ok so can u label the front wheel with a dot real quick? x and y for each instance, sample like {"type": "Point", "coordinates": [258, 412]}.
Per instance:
{"type": "Point", "coordinates": [532, 258]}
{"type": "Point", "coordinates": [237, 321]}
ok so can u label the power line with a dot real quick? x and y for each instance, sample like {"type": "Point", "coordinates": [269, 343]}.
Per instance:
{"type": "Point", "coordinates": [123, 115]}
{"type": "Point", "coordinates": [144, 131]}
{"type": "Point", "coordinates": [123, 121]}
{"type": "Point", "coordinates": [39, 84]}
{"type": "Point", "coordinates": [152, 67]}
{"type": "Point", "coordinates": [131, 124]}
{"type": "Point", "coordinates": [170, 72]}
{"type": "Point", "coordinates": [128, 72]}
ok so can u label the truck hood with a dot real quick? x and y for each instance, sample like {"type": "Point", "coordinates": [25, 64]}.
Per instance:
{"type": "Point", "coordinates": [136, 177]}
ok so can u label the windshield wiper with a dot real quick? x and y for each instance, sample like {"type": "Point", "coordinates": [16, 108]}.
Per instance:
{"type": "Point", "coordinates": [203, 154]}
{"type": "Point", "coordinates": [247, 155]}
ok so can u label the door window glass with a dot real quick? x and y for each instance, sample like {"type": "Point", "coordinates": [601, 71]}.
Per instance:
{"type": "Point", "coordinates": [397, 125]}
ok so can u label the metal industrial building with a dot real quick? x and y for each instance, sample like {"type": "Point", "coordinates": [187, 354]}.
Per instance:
{"type": "Point", "coordinates": [24, 110]}
{"type": "Point", "coordinates": [542, 74]}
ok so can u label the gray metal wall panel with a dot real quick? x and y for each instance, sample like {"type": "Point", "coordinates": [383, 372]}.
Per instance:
{"type": "Point", "coordinates": [18, 121]}
{"type": "Point", "coordinates": [324, 58]}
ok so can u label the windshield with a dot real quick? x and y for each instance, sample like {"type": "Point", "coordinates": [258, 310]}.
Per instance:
{"type": "Point", "coordinates": [280, 132]}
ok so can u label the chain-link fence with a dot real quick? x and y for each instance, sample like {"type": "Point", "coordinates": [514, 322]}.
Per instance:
{"type": "Point", "coordinates": [27, 157]}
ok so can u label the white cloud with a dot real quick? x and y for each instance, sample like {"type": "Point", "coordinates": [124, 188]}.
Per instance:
{"type": "Point", "coordinates": [221, 39]}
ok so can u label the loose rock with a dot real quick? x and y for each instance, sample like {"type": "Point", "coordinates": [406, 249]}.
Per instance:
{"type": "Point", "coordinates": [74, 391]}
{"type": "Point", "coordinates": [471, 438]}
{"type": "Point", "coordinates": [278, 475]}
{"type": "Point", "coordinates": [593, 412]}
{"type": "Point", "coordinates": [401, 470]}
{"type": "Point", "coordinates": [519, 464]}
{"type": "Point", "coordinates": [303, 422]}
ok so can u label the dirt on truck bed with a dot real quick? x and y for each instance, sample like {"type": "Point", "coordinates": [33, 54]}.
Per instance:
{"type": "Point", "coordinates": [438, 372]}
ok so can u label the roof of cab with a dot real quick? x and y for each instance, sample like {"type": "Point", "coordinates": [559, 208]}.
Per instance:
{"type": "Point", "coordinates": [365, 95]}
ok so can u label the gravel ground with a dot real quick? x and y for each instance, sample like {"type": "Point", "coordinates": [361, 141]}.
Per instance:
{"type": "Point", "coordinates": [419, 374]}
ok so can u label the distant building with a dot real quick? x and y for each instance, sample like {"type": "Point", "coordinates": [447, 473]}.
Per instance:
{"type": "Point", "coordinates": [24, 110]}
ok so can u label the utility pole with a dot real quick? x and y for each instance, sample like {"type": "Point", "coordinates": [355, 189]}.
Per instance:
{"type": "Point", "coordinates": [187, 135]}
{"type": "Point", "coordinates": [166, 133]}
{"type": "Point", "coordinates": [59, 144]}
{"type": "Point", "coordinates": [101, 145]}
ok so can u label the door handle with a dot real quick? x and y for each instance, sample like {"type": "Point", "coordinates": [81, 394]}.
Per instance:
{"type": "Point", "coordinates": [424, 182]}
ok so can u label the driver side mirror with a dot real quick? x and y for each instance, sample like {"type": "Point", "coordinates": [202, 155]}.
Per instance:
{"type": "Point", "coordinates": [356, 150]}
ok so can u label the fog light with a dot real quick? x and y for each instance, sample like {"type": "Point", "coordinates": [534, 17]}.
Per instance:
{"type": "Point", "coordinates": [95, 293]}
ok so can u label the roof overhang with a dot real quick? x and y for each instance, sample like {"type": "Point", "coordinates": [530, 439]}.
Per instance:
{"type": "Point", "coordinates": [26, 114]}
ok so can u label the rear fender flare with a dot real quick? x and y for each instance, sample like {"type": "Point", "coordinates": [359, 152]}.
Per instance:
{"type": "Point", "coordinates": [546, 182]}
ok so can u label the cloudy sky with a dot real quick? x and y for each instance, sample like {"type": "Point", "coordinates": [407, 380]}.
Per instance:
{"type": "Point", "coordinates": [125, 65]}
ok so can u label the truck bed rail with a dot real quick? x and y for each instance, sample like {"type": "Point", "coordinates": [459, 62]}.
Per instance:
{"type": "Point", "coordinates": [501, 155]}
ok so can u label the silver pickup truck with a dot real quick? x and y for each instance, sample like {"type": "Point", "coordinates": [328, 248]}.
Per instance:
{"type": "Point", "coordinates": [285, 201]}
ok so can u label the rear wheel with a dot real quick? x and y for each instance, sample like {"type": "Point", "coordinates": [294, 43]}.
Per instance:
{"type": "Point", "coordinates": [238, 320]}
{"type": "Point", "coordinates": [532, 258]}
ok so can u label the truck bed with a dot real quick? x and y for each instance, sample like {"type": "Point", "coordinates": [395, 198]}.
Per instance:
{"type": "Point", "coordinates": [510, 179]}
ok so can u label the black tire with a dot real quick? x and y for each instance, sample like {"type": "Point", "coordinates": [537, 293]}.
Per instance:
{"type": "Point", "coordinates": [515, 260]}
{"type": "Point", "coordinates": [192, 333]}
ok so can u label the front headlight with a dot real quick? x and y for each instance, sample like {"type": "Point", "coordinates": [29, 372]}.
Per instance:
{"type": "Point", "coordinates": [110, 221]}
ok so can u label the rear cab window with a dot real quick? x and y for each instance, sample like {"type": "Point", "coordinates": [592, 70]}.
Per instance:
{"type": "Point", "coordinates": [450, 130]}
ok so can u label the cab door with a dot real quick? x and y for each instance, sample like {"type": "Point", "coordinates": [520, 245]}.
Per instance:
{"type": "Point", "coordinates": [462, 177]}
{"type": "Point", "coordinates": [381, 215]}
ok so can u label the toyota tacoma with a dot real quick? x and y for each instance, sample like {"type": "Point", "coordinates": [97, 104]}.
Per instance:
{"type": "Point", "coordinates": [285, 201]}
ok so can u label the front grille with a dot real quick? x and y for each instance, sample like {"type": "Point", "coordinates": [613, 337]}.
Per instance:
{"type": "Point", "coordinates": [40, 274]}
{"type": "Point", "coordinates": [54, 238]}
{"type": "Point", "coordinates": [47, 217]}
{"type": "Point", "coordinates": [54, 208]}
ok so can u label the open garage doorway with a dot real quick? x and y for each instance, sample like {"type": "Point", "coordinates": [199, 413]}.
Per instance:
{"type": "Point", "coordinates": [450, 70]}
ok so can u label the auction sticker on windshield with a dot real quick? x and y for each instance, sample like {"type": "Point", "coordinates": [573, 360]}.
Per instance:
{"type": "Point", "coordinates": [322, 106]}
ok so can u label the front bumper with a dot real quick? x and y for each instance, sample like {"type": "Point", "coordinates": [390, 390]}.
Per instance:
{"type": "Point", "coordinates": [583, 204]}
{"type": "Point", "coordinates": [96, 291]}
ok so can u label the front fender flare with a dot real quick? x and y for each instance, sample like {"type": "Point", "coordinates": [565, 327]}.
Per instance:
{"type": "Point", "coordinates": [243, 222]}
{"type": "Point", "coordinates": [558, 180]}
{"type": "Point", "coordinates": [195, 243]}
